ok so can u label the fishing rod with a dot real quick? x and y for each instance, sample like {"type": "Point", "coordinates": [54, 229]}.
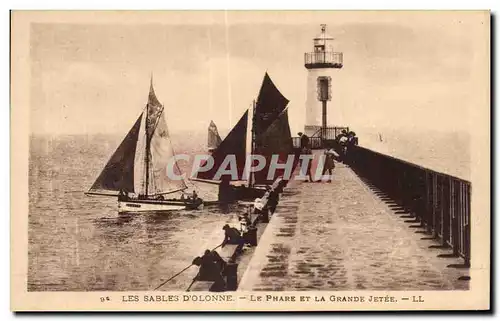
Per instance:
{"type": "Point", "coordinates": [194, 280]}
{"type": "Point", "coordinates": [159, 286]}
{"type": "Point", "coordinates": [187, 267]}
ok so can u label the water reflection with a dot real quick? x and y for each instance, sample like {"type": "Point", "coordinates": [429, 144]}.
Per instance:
{"type": "Point", "coordinates": [119, 220]}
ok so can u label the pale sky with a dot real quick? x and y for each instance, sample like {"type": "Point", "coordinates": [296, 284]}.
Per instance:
{"type": "Point", "coordinates": [417, 70]}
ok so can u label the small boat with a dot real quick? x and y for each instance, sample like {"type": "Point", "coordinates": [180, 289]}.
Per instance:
{"type": "Point", "coordinates": [136, 174]}
{"type": "Point", "coordinates": [214, 139]}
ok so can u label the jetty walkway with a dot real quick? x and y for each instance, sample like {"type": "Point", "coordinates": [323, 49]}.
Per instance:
{"type": "Point", "coordinates": [343, 236]}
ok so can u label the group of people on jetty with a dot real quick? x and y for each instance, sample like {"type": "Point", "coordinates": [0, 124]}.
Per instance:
{"type": "Point", "coordinates": [222, 272]}
{"type": "Point", "coordinates": [342, 142]}
{"type": "Point", "coordinates": [212, 267]}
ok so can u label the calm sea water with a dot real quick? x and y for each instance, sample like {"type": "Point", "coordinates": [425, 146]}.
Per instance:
{"type": "Point", "coordinates": [443, 152]}
{"type": "Point", "coordinates": [80, 243]}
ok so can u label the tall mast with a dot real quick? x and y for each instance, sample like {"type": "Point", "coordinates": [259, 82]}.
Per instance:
{"type": "Point", "coordinates": [252, 142]}
{"type": "Point", "coordinates": [146, 156]}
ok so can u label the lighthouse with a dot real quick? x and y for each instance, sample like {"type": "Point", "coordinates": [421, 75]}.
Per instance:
{"type": "Point", "coordinates": [321, 65]}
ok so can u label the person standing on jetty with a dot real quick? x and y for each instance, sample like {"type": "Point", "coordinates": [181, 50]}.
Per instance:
{"type": "Point", "coordinates": [304, 140]}
{"type": "Point", "coordinates": [305, 149]}
{"type": "Point", "coordinates": [329, 164]}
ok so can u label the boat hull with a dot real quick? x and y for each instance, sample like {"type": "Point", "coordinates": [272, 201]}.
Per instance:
{"type": "Point", "coordinates": [245, 193]}
{"type": "Point", "coordinates": [154, 206]}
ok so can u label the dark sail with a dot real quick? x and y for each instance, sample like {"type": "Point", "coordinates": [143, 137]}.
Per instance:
{"type": "Point", "coordinates": [214, 139]}
{"type": "Point", "coordinates": [118, 174]}
{"type": "Point", "coordinates": [233, 144]}
{"type": "Point", "coordinates": [270, 104]}
{"type": "Point", "coordinates": [276, 140]}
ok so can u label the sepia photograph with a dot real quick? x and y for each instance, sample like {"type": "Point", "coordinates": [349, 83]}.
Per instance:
{"type": "Point", "coordinates": [250, 160]}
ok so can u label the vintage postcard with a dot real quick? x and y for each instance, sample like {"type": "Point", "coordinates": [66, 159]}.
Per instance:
{"type": "Point", "coordinates": [250, 160]}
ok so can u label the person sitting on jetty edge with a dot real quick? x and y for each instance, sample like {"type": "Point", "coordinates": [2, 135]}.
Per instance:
{"type": "Point", "coordinates": [211, 268]}
{"type": "Point", "coordinates": [260, 203]}
{"type": "Point", "coordinates": [260, 207]}
{"type": "Point", "coordinates": [232, 236]}
{"type": "Point", "coordinates": [245, 221]}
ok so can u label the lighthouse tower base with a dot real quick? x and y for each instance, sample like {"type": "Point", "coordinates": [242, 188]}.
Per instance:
{"type": "Point", "coordinates": [314, 107]}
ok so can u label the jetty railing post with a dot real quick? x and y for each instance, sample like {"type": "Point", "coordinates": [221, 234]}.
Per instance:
{"type": "Point", "coordinates": [428, 209]}
{"type": "Point", "coordinates": [461, 243]}
{"type": "Point", "coordinates": [435, 218]}
{"type": "Point", "coordinates": [408, 186]}
{"type": "Point", "coordinates": [404, 188]}
{"type": "Point", "coordinates": [413, 192]}
{"type": "Point", "coordinates": [452, 213]}
{"type": "Point", "coordinates": [382, 172]}
{"type": "Point", "coordinates": [395, 182]}
{"type": "Point", "coordinates": [397, 186]}
{"type": "Point", "coordinates": [467, 226]}
{"type": "Point", "coordinates": [441, 208]}
{"type": "Point", "coordinates": [446, 239]}
{"type": "Point", "coordinates": [413, 189]}
{"type": "Point", "coordinates": [411, 184]}
{"type": "Point", "coordinates": [421, 194]}
{"type": "Point", "coordinates": [432, 200]}
{"type": "Point", "coordinates": [456, 239]}
{"type": "Point", "coordinates": [403, 176]}
{"type": "Point", "coordinates": [384, 182]}
{"type": "Point", "coordinates": [426, 201]}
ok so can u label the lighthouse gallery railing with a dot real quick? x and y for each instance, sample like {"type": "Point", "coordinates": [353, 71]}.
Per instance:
{"type": "Point", "coordinates": [323, 59]}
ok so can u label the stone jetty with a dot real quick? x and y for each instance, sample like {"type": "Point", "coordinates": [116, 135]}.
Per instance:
{"type": "Point", "coordinates": [342, 236]}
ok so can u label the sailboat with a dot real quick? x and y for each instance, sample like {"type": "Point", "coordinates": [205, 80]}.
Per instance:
{"type": "Point", "coordinates": [269, 134]}
{"type": "Point", "coordinates": [214, 139]}
{"type": "Point", "coordinates": [136, 172]}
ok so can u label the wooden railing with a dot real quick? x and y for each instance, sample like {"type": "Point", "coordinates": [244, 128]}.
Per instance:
{"type": "Point", "coordinates": [440, 203]}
